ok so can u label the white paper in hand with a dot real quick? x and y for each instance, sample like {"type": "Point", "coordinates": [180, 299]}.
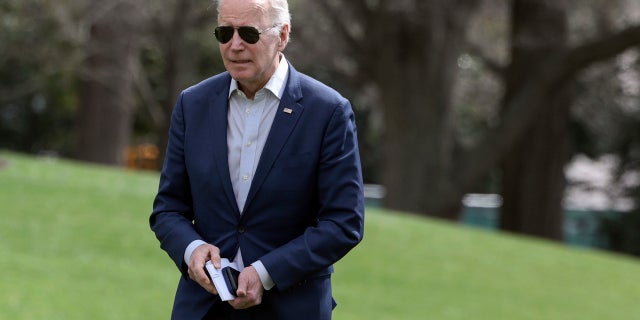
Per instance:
{"type": "Point", "coordinates": [218, 279]}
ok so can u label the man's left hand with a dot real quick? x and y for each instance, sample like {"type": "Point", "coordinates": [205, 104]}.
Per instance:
{"type": "Point", "coordinates": [250, 289]}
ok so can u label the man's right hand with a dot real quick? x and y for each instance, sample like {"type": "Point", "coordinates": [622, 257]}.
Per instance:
{"type": "Point", "coordinates": [199, 257]}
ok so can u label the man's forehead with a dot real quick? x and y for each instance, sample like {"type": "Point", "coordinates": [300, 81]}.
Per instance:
{"type": "Point", "coordinates": [248, 12]}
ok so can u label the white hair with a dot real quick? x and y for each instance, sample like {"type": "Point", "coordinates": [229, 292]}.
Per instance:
{"type": "Point", "coordinates": [278, 12]}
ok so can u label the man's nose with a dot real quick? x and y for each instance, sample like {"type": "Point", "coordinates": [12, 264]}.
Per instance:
{"type": "Point", "coordinates": [236, 40]}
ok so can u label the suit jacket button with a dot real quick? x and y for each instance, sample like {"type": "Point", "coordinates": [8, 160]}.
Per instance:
{"type": "Point", "coordinates": [241, 229]}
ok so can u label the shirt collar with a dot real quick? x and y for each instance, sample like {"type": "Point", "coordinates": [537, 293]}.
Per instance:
{"type": "Point", "coordinates": [276, 82]}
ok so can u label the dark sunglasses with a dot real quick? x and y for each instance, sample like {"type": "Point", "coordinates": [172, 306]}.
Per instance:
{"type": "Point", "coordinates": [250, 35]}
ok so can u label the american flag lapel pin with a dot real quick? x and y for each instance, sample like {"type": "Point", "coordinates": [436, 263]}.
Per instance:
{"type": "Point", "coordinates": [288, 110]}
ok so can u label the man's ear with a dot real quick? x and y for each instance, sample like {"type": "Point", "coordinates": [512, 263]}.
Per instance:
{"type": "Point", "coordinates": [284, 37]}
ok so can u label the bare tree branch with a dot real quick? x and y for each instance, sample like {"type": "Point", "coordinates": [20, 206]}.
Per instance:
{"type": "Point", "coordinates": [18, 91]}
{"type": "Point", "coordinates": [606, 47]}
{"type": "Point", "coordinates": [549, 74]}
{"type": "Point", "coordinates": [361, 8]}
{"type": "Point", "coordinates": [339, 23]}
{"type": "Point", "coordinates": [492, 65]}
{"type": "Point", "coordinates": [151, 104]}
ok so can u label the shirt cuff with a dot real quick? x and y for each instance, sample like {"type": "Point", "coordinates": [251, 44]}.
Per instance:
{"type": "Point", "coordinates": [265, 278]}
{"type": "Point", "coordinates": [190, 248]}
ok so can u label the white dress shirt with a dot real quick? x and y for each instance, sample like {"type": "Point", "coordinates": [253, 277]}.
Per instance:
{"type": "Point", "coordinates": [248, 125]}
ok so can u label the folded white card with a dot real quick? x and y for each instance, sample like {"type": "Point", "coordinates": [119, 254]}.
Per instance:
{"type": "Point", "coordinates": [218, 279]}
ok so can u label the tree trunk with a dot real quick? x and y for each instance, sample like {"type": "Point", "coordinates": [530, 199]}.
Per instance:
{"type": "Point", "coordinates": [173, 41]}
{"type": "Point", "coordinates": [104, 122]}
{"type": "Point", "coordinates": [172, 31]}
{"type": "Point", "coordinates": [533, 176]}
{"type": "Point", "coordinates": [416, 95]}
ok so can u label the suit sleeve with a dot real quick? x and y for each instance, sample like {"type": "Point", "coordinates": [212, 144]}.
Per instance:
{"type": "Point", "coordinates": [172, 216]}
{"type": "Point", "coordinates": [340, 218]}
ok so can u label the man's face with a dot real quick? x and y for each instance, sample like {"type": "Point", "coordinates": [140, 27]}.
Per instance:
{"type": "Point", "coordinates": [250, 64]}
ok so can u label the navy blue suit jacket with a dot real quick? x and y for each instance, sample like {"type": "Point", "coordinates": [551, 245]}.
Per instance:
{"type": "Point", "coordinates": [304, 211]}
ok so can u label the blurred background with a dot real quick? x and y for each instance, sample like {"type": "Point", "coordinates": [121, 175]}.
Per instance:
{"type": "Point", "coordinates": [520, 115]}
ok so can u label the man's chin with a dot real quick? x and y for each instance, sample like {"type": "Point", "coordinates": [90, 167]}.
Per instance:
{"type": "Point", "coordinates": [240, 76]}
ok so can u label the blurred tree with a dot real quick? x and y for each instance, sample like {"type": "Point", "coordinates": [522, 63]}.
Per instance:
{"type": "Point", "coordinates": [607, 114]}
{"type": "Point", "coordinates": [106, 96]}
{"type": "Point", "coordinates": [409, 52]}
{"type": "Point", "coordinates": [533, 168]}
{"type": "Point", "coordinates": [36, 109]}
{"type": "Point", "coordinates": [405, 55]}
{"type": "Point", "coordinates": [179, 50]}
{"type": "Point", "coordinates": [111, 71]}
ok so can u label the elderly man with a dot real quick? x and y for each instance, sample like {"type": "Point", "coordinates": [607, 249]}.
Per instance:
{"type": "Point", "coordinates": [262, 168]}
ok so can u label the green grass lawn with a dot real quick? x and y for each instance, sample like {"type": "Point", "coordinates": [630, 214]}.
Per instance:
{"type": "Point", "coordinates": [75, 244]}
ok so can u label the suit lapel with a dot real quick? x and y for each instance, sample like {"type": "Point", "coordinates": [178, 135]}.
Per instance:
{"type": "Point", "coordinates": [287, 115]}
{"type": "Point", "coordinates": [218, 106]}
